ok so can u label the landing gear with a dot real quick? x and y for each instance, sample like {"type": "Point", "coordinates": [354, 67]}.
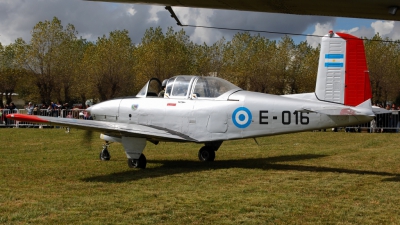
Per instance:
{"type": "Point", "coordinates": [138, 163]}
{"type": "Point", "coordinates": [206, 154]}
{"type": "Point", "coordinates": [104, 154]}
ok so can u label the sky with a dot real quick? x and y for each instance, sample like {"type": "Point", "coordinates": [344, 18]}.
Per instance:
{"type": "Point", "coordinates": [95, 19]}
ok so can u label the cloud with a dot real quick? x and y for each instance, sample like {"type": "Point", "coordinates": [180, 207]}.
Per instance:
{"type": "Point", "coordinates": [320, 30]}
{"type": "Point", "coordinates": [91, 19]}
{"type": "Point", "coordinates": [272, 22]}
{"type": "Point", "coordinates": [94, 19]}
{"type": "Point", "coordinates": [362, 32]}
{"type": "Point", "coordinates": [383, 27]}
{"type": "Point", "coordinates": [389, 29]}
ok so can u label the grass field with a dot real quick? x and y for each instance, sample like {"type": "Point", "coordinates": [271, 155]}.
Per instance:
{"type": "Point", "coordinates": [50, 177]}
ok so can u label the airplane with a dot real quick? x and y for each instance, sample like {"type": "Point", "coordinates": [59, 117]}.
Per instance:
{"type": "Point", "coordinates": [368, 9]}
{"type": "Point", "coordinates": [209, 110]}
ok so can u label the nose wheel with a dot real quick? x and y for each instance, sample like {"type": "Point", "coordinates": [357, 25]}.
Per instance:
{"type": "Point", "coordinates": [138, 163]}
{"type": "Point", "coordinates": [105, 154]}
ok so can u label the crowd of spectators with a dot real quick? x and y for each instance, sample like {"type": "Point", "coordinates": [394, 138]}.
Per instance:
{"type": "Point", "coordinates": [52, 109]}
{"type": "Point", "coordinates": [9, 108]}
{"type": "Point", "coordinates": [386, 122]}
{"type": "Point", "coordinates": [60, 110]}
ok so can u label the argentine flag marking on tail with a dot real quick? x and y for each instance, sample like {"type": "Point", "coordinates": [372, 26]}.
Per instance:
{"type": "Point", "coordinates": [334, 60]}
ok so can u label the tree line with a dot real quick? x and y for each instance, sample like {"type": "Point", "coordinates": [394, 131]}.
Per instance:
{"type": "Point", "coordinates": [57, 65]}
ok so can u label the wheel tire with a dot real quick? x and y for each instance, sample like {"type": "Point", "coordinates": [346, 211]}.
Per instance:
{"type": "Point", "coordinates": [138, 163]}
{"type": "Point", "coordinates": [132, 163]}
{"type": "Point", "coordinates": [206, 154]}
{"type": "Point", "coordinates": [105, 155]}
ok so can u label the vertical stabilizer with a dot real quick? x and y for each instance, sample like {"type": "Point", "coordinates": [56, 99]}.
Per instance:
{"type": "Point", "coordinates": [342, 70]}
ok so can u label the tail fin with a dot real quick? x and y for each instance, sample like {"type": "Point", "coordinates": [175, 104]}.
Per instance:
{"type": "Point", "coordinates": [343, 75]}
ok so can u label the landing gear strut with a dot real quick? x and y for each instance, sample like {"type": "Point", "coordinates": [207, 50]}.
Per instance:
{"type": "Point", "coordinates": [138, 163]}
{"type": "Point", "coordinates": [104, 154]}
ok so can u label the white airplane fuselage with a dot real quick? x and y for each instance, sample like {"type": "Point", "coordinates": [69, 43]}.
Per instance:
{"type": "Point", "coordinates": [241, 114]}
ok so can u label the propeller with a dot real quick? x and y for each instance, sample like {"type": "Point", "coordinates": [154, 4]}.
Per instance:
{"type": "Point", "coordinates": [87, 137]}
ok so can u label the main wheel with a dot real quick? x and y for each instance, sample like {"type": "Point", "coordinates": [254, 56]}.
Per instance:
{"type": "Point", "coordinates": [206, 154]}
{"type": "Point", "coordinates": [105, 155]}
{"type": "Point", "coordinates": [138, 163]}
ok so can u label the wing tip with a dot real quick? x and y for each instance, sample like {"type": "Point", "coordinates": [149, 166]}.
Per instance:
{"type": "Point", "coordinates": [26, 118]}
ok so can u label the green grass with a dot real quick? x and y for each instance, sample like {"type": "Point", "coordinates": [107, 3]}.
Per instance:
{"type": "Point", "coordinates": [50, 177]}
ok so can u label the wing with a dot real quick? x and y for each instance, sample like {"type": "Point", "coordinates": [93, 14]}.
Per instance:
{"type": "Point", "coordinates": [371, 9]}
{"type": "Point", "coordinates": [118, 129]}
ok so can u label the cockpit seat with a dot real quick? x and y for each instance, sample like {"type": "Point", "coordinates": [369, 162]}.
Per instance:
{"type": "Point", "coordinates": [151, 94]}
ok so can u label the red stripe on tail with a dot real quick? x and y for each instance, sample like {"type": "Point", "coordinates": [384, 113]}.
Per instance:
{"type": "Point", "coordinates": [357, 83]}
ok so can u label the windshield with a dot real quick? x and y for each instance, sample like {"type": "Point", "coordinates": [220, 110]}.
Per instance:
{"type": "Point", "coordinates": [212, 87]}
{"type": "Point", "coordinates": [169, 86]}
{"type": "Point", "coordinates": [182, 86]}
{"type": "Point", "coordinates": [150, 89]}
{"type": "Point", "coordinates": [142, 92]}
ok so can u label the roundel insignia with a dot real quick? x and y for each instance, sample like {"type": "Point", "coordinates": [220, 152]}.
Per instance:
{"type": "Point", "coordinates": [135, 107]}
{"type": "Point", "coordinates": [241, 117]}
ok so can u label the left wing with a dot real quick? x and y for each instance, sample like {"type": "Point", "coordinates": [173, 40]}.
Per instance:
{"type": "Point", "coordinates": [120, 129]}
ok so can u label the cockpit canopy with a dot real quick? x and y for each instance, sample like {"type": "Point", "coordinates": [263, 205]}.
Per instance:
{"type": "Point", "coordinates": [184, 86]}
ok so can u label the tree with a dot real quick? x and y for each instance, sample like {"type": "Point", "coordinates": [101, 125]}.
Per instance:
{"type": "Point", "coordinates": [209, 59]}
{"type": "Point", "coordinates": [282, 65]}
{"type": "Point", "coordinates": [109, 65]}
{"type": "Point", "coordinates": [69, 53]}
{"type": "Point", "coordinates": [11, 73]}
{"type": "Point", "coordinates": [250, 62]}
{"type": "Point", "coordinates": [57, 65]}
{"type": "Point", "coordinates": [163, 56]}
{"type": "Point", "coordinates": [383, 64]}
{"type": "Point", "coordinates": [82, 87]}
{"type": "Point", "coordinates": [261, 67]}
{"type": "Point", "coordinates": [303, 69]}
{"type": "Point", "coordinates": [238, 54]}
{"type": "Point", "coordinates": [40, 56]}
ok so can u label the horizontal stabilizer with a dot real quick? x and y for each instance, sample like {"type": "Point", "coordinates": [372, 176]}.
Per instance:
{"type": "Point", "coordinates": [331, 111]}
{"type": "Point", "coordinates": [378, 110]}
{"type": "Point", "coordinates": [362, 109]}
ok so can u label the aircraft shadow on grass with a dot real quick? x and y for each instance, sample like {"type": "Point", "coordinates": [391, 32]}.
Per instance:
{"type": "Point", "coordinates": [171, 167]}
